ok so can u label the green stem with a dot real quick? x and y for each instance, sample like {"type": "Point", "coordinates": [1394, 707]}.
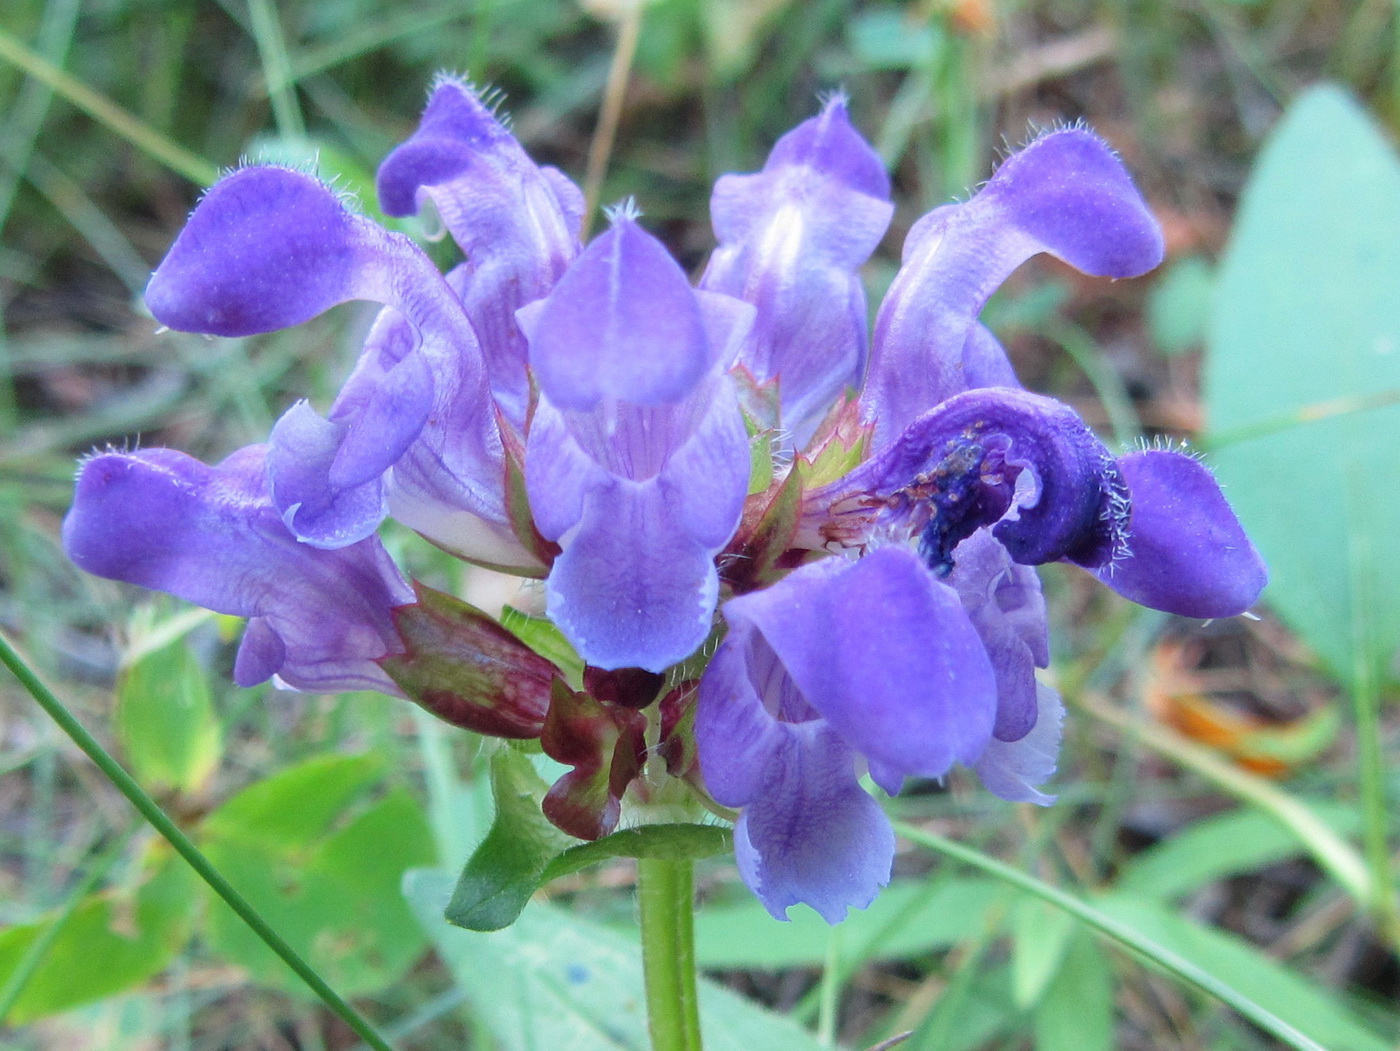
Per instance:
{"type": "Point", "coordinates": [183, 845]}
{"type": "Point", "coordinates": [666, 894]}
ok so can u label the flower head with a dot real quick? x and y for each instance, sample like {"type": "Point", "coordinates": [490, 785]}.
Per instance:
{"type": "Point", "coordinates": [851, 581]}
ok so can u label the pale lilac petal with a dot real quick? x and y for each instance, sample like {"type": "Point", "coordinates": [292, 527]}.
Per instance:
{"type": "Point", "coordinates": [302, 450]}
{"type": "Point", "coordinates": [270, 247]}
{"type": "Point", "coordinates": [383, 405]}
{"type": "Point", "coordinates": [623, 324]}
{"type": "Point", "coordinates": [1186, 551]}
{"type": "Point", "coordinates": [517, 223]}
{"type": "Point", "coordinates": [319, 619]}
{"type": "Point", "coordinates": [984, 361]}
{"type": "Point", "coordinates": [1015, 770]}
{"type": "Point", "coordinates": [886, 654]}
{"type": "Point", "coordinates": [1066, 194]}
{"type": "Point", "coordinates": [812, 836]}
{"type": "Point", "coordinates": [791, 240]}
{"type": "Point", "coordinates": [1004, 603]}
{"type": "Point", "coordinates": [736, 737]}
{"type": "Point", "coordinates": [631, 587]}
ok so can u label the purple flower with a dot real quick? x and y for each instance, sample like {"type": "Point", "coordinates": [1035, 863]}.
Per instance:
{"type": "Point", "coordinates": [840, 666]}
{"type": "Point", "coordinates": [517, 223]}
{"type": "Point", "coordinates": [791, 241]}
{"type": "Point", "coordinates": [582, 414]}
{"type": "Point", "coordinates": [270, 247]}
{"type": "Point", "coordinates": [318, 619]}
{"type": "Point", "coordinates": [1066, 194]}
{"type": "Point", "coordinates": [637, 461]}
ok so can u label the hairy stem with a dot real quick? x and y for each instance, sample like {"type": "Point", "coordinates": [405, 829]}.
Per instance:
{"type": "Point", "coordinates": [666, 895]}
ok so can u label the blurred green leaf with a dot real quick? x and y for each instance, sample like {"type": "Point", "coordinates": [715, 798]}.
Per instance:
{"type": "Point", "coordinates": [1304, 338]}
{"type": "Point", "coordinates": [555, 981]}
{"type": "Point", "coordinates": [908, 918]}
{"type": "Point", "coordinates": [296, 805]}
{"type": "Point", "coordinates": [509, 864]}
{"type": "Point", "coordinates": [1178, 305]}
{"type": "Point", "coordinates": [1298, 1000]}
{"type": "Point", "coordinates": [166, 722]}
{"type": "Point", "coordinates": [1076, 1011]}
{"type": "Point", "coordinates": [734, 31]}
{"type": "Point", "coordinates": [322, 861]}
{"type": "Point", "coordinates": [891, 38]}
{"type": "Point", "coordinates": [1223, 845]}
{"type": "Point", "coordinates": [112, 942]}
{"type": "Point", "coordinates": [1040, 937]}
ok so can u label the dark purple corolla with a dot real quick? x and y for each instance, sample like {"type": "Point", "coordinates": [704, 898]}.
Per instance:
{"type": "Point", "coordinates": [657, 452]}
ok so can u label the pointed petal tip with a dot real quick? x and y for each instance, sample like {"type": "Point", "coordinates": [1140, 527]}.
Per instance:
{"type": "Point", "coordinates": [830, 144]}
{"type": "Point", "coordinates": [623, 322]}
{"type": "Point", "coordinates": [458, 125]}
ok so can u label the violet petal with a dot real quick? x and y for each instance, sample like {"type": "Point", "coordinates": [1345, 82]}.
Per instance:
{"type": "Point", "coordinates": [791, 240]}
{"type": "Point", "coordinates": [1066, 194]}
{"type": "Point", "coordinates": [516, 222]}
{"type": "Point", "coordinates": [1186, 551]}
{"type": "Point", "coordinates": [1014, 770]}
{"type": "Point", "coordinates": [812, 836]}
{"type": "Point", "coordinates": [211, 536]}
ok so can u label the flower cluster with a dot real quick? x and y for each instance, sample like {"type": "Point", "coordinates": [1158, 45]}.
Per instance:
{"type": "Point", "coordinates": [659, 452]}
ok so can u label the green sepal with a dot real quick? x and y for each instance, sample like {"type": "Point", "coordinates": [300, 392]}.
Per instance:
{"type": "Point", "coordinates": [522, 521]}
{"type": "Point", "coordinates": [509, 865]}
{"type": "Point", "coordinates": [760, 455]}
{"type": "Point", "coordinates": [467, 670]}
{"type": "Point", "coordinates": [523, 852]}
{"type": "Point", "coordinates": [840, 445]}
{"type": "Point", "coordinates": [765, 536]}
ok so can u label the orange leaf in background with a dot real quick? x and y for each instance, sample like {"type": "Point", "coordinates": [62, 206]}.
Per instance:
{"type": "Point", "coordinates": [1265, 747]}
{"type": "Point", "coordinates": [972, 17]}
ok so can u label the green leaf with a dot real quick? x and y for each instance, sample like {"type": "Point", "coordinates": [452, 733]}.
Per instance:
{"type": "Point", "coordinates": [169, 731]}
{"type": "Point", "coordinates": [1040, 936]}
{"type": "Point", "coordinates": [1178, 305]}
{"type": "Point", "coordinates": [1303, 377]}
{"type": "Point", "coordinates": [1298, 1000]}
{"type": "Point", "coordinates": [1076, 1011]}
{"type": "Point", "coordinates": [1220, 846]}
{"type": "Point", "coordinates": [892, 38]}
{"type": "Point", "coordinates": [509, 864]}
{"type": "Point", "coordinates": [321, 859]}
{"type": "Point", "coordinates": [113, 941]}
{"type": "Point", "coordinates": [468, 670]}
{"type": "Point", "coordinates": [555, 981]}
{"type": "Point", "coordinates": [907, 918]}
{"type": "Point", "coordinates": [296, 805]}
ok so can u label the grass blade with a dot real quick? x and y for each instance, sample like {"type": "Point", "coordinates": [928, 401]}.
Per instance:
{"type": "Point", "coordinates": [99, 108]}
{"type": "Point", "coordinates": [183, 845]}
{"type": "Point", "coordinates": [1157, 955]}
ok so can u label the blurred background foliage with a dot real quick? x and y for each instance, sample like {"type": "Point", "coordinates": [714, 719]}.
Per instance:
{"type": "Point", "coordinates": [1224, 789]}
